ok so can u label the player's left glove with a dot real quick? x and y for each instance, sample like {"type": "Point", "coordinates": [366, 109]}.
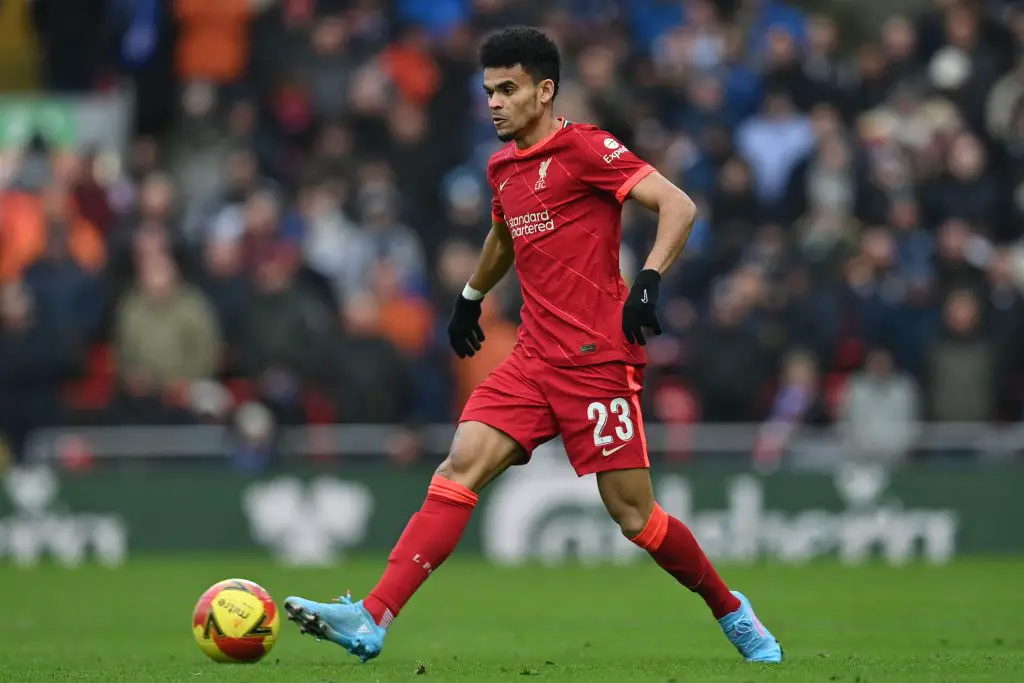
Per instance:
{"type": "Point", "coordinates": [640, 309]}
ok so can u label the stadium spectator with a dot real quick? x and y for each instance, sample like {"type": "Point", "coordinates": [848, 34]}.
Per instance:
{"type": "Point", "coordinates": [166, 337]}
{"type": "Point", "coordinates": [228, 291]}
{"type": "Point", "coordinates": [67, 291]}
{"type": "Point", "coordinates": [879, 411]}
{"type": "Point", "coordinates": [90, 193]}
{"type": "Point", "coordinates": [30, 222]}
{"type": "Point", "coordinates": [773, 142]}
{"type": "Point", "coordinates": [726, 360]}
{"type": "Point", "coordinates": [214, 42]}
{"type": "Point", "coordinates": [36, 356]}
{"type": "Point", "coordinates": [326, 65]}
{"type": "Point", "coordinates": [70, 34]}
{"type": "Point", "coordinates": [330, 240]}
{"type": "Point", "coordinates": [784, 72]}
{"type": "Point", "coordinates": [1004, 318]}
{"type": "Point", "coordinates": [372, 379]}
{"type": "Point", "coordinates": [283, 345]}
{"type": "Point", "coordinates": [383, 237]}
{"type": "Point", "coordinates": [825, 180]}
{"type": "Point", "coordinates": [798, 401]}
{"type": "Point", "coordinates": [406, 317]}
{"type": "Point", "coordinates": [961, 379]}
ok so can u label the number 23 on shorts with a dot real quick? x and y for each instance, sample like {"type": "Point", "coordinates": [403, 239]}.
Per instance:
{"type": "Point", "coordinates": [598, 412]}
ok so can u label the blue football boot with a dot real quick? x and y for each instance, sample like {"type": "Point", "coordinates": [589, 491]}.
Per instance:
{"type": "Point", "coordinates": [748, 634]}
{"type": "Point", "coordinates": [343, 622]}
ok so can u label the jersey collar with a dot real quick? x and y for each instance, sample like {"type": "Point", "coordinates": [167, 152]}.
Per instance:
{"type": "Point", "coordinates": [563, 123]}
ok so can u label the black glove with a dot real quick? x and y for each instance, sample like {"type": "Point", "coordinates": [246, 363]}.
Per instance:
{"type": "Point", "coordinates": [640, 309]}
{"type": "Point", "coordinates": [464, 332]}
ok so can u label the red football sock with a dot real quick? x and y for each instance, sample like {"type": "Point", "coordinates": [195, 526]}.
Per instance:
{"type": "Point", "coordinates": [674, 548]}
{"type": "Point", "coordinates": [429, 538]}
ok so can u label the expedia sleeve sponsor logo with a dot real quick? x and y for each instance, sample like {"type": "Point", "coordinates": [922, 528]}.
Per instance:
{"type": "Point", "coordinates": [609, 158]}
{"type": "Point", "coordinates": [530, 223]}
{"type": "Point", "coordinates": [618, 149]}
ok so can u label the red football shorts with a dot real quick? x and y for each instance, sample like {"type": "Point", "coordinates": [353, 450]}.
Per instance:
{"type": "Point", "coordinates": [595, 409]}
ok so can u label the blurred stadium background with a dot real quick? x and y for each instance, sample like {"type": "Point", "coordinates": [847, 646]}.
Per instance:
{"type": "Point", "coordinates": [230, 233]}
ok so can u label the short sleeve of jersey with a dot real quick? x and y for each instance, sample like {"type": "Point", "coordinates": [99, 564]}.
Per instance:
{"type": "Point", "coordinates": [605, 163]}
{"type": "Point", "coordinates": [497, 212]}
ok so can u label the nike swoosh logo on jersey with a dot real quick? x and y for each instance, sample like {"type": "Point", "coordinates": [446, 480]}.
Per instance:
{"type": "Point", "coordinates": [608, 451]}
{"type": "Point", "coordinates": [502, 186]}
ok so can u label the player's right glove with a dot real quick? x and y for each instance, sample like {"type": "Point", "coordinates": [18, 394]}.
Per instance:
{"type": "Point", "coordinates": [640, 309]}
{"type": "Point", "coordinates": [464, 331]}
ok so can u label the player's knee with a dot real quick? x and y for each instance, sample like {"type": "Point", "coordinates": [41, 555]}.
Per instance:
{"type": "Point", "coordinates": [628, 514]}
{"type": "Point", "coordinates": [465, 468]}
{"type": "Point", "coordinates": [456, 466]}
{"type": "Point", "coordinates": [628, 497]}
{"type": "Point", "coordinates": [478, 454]}
{"type": "Point", "coordinates": [631, 521]}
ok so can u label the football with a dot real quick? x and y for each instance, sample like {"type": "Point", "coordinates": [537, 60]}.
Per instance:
{"type": "Point", "coordinates": [235, 621]}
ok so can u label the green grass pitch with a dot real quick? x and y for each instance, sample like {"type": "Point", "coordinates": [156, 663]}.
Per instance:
{"type": "Point", "coordinates": [477, 623]}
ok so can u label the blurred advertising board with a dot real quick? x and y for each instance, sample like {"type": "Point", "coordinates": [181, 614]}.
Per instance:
{"type": "Point", "coordinates": [539, 513]}
{"type": "Point", "coordinates": [101, 120]}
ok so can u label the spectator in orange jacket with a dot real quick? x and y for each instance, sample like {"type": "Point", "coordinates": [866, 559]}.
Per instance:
{"type": "Point", "coordinates": [28, 222]}
{"type": "Point", "coordinates": [214, 42]}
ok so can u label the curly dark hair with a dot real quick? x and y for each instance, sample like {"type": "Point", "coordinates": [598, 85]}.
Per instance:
{"type": "Point", "coordinates": [528, 47]}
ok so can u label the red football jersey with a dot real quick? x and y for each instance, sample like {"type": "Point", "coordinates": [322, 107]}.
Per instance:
{"type": "Point", "coordinates": [562, 202]}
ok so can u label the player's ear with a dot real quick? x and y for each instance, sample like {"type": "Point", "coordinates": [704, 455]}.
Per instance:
{"type": "Point", "coordinates": [547, 90]}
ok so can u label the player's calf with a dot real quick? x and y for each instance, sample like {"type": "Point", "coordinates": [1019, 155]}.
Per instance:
{"type": "Point", "coordinates": [629, 497]}
{"type": "Point", "coordinates": [428, 539]}
{"type": "Point", "coordinates": [479, 453]}
{"type": "Point", "coordinates": [674, 548]}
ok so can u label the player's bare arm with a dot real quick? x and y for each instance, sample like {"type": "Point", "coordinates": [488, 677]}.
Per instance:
{"type": "Point", "coordinates": [676, 213]}
{"type": "Point", "coordinates": [496, 257]}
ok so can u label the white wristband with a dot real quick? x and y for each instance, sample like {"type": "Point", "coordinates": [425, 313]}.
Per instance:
{"type": "Point", "coordinates": [472, 294]}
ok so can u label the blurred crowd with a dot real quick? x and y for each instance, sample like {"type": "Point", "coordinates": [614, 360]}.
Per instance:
{"type": "Point", "coordinates": [303, 196]}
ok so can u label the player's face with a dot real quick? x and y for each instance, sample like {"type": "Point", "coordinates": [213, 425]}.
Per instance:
{"type": "Point", "coordinates": [515, 100]}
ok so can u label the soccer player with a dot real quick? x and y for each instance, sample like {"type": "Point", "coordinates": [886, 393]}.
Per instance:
{"type": "Point", "coordinates": [577, 367]}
